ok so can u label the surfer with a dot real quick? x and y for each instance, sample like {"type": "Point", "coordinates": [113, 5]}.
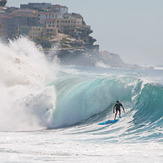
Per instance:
{"type": "Point", "coordinates": [118, 106]}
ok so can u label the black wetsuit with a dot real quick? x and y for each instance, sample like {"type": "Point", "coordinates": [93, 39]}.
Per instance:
{"type": "Point", "coordinates": [118, 107]}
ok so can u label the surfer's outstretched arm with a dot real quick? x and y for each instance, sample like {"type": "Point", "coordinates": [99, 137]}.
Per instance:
{"type": "Point", "coordinates": [123, 109]}
{"type": "Point", "coordinates": [114, 109]}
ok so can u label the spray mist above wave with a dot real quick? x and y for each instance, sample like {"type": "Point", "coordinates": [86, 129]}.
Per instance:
{"type": "Point", "coordinates": [23, 63]}
{"type": "Point", "coordinates": [26, 100]}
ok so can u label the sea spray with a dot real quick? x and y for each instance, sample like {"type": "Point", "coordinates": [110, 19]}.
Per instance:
{"type": "Point", "coordinates": [27, 102]}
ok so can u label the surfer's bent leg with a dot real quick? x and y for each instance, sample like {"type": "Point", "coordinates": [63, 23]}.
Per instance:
{"type": "Point", "coordinates": [120, 113]}
{"type": "Point", "coordinates": [115, 115]}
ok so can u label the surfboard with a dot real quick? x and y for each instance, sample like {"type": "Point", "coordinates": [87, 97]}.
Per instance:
{"type": "Point", "coordinates": [110, 121]}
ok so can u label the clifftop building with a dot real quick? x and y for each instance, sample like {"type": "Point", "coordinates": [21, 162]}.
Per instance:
{"type": "Point", "coordinates": [35, 6]}
{"type": "Point", "coordinates": [59, 9]}
{"type": "Point", "coordinates": [44, 14]}
{"type": "Point", "coordinates": [48, 7]}
{"type": "Point", "coordinates": [44, 21]}
{"type": "Point", "coordinates": [23, 11]}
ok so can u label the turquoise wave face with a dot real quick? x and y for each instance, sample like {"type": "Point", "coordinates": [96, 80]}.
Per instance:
{"type": "Point", "coordinates": [89, 101]}
{"type": "Point", "coordinates": [78, 99]}
{"type": "Point", "coordinates": [149, 115]}
{"type": "Point", "coordinates": [150, 103]}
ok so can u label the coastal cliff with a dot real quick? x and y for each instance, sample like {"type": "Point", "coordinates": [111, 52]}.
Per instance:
{"type": "Point", "coordinates": [51, 26]}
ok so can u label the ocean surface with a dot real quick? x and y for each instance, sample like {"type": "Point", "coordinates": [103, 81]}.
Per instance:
{"type": "Point", "coordinates": [50, 113]}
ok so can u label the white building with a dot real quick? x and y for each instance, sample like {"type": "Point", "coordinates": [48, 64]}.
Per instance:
{"type": "Point", "coordinates": [35, 6]}
{"type": "Point", "coordinates": [48, 15]}
{"type": "Point", "coordinates": [60, 9]}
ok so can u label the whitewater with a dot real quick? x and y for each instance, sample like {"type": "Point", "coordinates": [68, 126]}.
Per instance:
{"type": "Point", "coordinates": [50, 112]}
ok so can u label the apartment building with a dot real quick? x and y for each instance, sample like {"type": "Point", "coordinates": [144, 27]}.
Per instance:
{"type": "Point", "coordinates": [12, 21]}
{"type": "Point", "coordinates": [24, 11]}
{"type": "Point", "coordinates": [59, 9]}
{"type": "Point", "coordinates": [67, 23]}
{"type": "Point", "coordinates": [37, 31]}
{"type": "Point", "coordinates": [48, 15]}
{"type": "Point", "coordinates": [42, 19]}
{"type": "Point", "coordinates": [35, 6]}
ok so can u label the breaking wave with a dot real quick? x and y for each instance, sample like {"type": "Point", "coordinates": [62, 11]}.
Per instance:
{"type": "Point", "coordinates": [33, 98]}
{"type": "Point", "coordinates": [89, 101]}
{"type": "Point", "coordinates": [25, 95]}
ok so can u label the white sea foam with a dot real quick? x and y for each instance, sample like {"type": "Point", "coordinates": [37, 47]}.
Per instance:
{"type": "Point", "coordinates": [25, 73]}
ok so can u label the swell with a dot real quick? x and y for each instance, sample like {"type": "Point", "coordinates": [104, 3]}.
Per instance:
{"type": "Point", "coordinates": [86, 102]}
{"type": "Point", "coordinates": [150, 103]}
{"type": "Point", "coordinates": [148, 118]}
{"type": "Point", "coordinates": [79, 99]}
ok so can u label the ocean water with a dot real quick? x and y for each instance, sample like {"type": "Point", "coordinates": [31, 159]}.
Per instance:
{"type": "Point", "coordinates": [50, 113]}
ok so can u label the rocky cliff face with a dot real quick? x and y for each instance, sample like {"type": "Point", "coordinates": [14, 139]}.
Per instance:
{"type": "Point", "coordinates": [80, 57]}
{"type": "Point", "coordinates": [91, 57]}
{"type": "Point", "coordinates": [110, 59]}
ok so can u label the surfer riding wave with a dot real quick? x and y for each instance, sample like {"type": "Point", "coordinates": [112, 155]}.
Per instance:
{"type": "Point", "coordinates": [118, 106]}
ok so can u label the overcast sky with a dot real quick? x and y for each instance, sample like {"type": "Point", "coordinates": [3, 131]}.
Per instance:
{"type": "Point", "coordinates": [131, 28]}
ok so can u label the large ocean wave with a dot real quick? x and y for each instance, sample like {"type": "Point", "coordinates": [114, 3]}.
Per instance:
{"type": "Point", "coordinates": [33, 97]}
{"type": "Point", "coordinates": [101, 93]}
{"type": "Point", "coordinates": [79, 98]}
{"type": "Point", "coordinates": [82, 101]}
